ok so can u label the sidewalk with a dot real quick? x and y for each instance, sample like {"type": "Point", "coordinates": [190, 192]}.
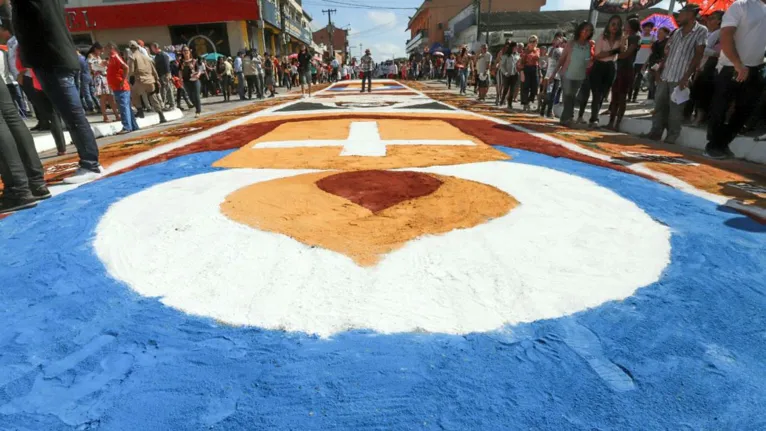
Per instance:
{"type": "Point", "coordinates": [638, 120]}
{"type": "Point", "coordinates": [44, 142]}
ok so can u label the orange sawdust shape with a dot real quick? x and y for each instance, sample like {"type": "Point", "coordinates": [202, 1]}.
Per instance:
{"type": "Point", "coordinates": [329, 157]}
{"type": "Point", "coordinates": [298, 208]}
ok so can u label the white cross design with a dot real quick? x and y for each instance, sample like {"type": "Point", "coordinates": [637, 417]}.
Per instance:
{"type": "Point", "coordinates": [363, 140]}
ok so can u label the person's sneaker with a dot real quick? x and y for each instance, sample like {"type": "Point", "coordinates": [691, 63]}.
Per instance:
{"type": "Point", "coordinates": [41, 192]}
{"type": "Point", "coordinates": [729, 153]}
{"type": "Point", "coordinates": [715, 154]}
{"type": "Point", "coordinates": [594, 125]}
{"type": "Point", "coordinates": [9, 205]}
{"type": "Point", "coordinates": [82, 175]}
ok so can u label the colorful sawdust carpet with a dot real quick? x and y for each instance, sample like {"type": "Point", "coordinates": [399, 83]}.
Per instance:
{"type": "Point", "coordinates": [379, 261]}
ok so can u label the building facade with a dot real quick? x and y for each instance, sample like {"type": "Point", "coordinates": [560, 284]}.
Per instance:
{"type": "Point", "coordinates": [339, 41]}
{"type": "Point", "coordinates": [429, 27]}
{"type": "Point", "coordinates": [222, 26]}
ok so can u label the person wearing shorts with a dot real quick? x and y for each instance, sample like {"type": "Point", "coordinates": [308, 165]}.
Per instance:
{"type": "Point", "coordinates": [304, 70]}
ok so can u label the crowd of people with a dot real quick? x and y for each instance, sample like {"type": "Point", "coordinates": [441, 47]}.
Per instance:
{"type": "Point", "coordinates": [46, 76]}
{"type": "Point", "coordinates": [709, 72]}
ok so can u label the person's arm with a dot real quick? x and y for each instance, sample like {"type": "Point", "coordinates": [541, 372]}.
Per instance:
{"type": "Point", "coordinates": [731, 20]}
{"type": "Point", "coordinates": [712, 51]}
{"type": "Point", "coordinates": [632, 48]}
{"type": "Point", "coordinates": [699, 52]}
{"type": "Point", "coordinates": [125, 70]}
{"type": "Point", "coordinates": [563, 59]}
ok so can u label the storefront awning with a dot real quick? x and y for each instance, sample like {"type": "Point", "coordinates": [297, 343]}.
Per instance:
{"type": "Point", "coordinates": [162, 13]}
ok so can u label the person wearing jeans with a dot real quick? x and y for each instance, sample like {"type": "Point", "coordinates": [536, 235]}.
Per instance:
{"type": "Point", "coordinates": [602, 74]}
{"type": "Point", "coordinates": [117, 73]}
{"type": "Point", "coordinates": [573, 68]}
{"type": "Point", "coordinates": [529, 67]}
{"type": "Point", "coordinates": [20, 168]}
{"type": "Point", "coordinates": [46, 46]}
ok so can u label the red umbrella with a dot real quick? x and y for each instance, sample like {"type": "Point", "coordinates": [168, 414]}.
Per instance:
{"type": "Point", "coordinates": [709, 6]}
{"type": "Point", "coordinates": [622, 6]}
{"type": "Point", "coordinates": [661, 20]}
{"type": "Point", "coordinates": [292, 56]}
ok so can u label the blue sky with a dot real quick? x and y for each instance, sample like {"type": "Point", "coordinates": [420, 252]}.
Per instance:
{"type": "Point", "coordinates": [383, 30]}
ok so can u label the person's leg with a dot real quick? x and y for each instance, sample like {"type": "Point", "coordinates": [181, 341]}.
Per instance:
{"type": "Point", "coordinates": [240, 86]}
{"type": "Point", "coordinates": [59, 86]}
{"type": "Point", "coordinates": [599, 84]}
{"type": "Point", "coordinates": [20, 167]}
{"type": "Point", "coordinates": [15, 92]}
{"type": "Point", "coordinates": [746, 96]}
{"type": "Point", "coordinates": [675, 117]}
{"type": "Point", "coordinates": [122, 99]}
{"type": "Point", "coordinates": [28, 87]}
{"type": "Point", "coordinates": [156, 102]}
{"type": "Point", "coordinates": [102, 106]}
{"type": "Point", "coordinates": [513, 81]}
{"type": "Point", "coordinates": [552, 95]}
{"type": "Point", "coordinates": [568, 94]}
{"type": "Point", "coordinates": [57, 131]}
{"type": "Point", "coordinates": [661, 110]}
{"type": "Point", "coordinates": [136, 93]}
{"type": "Point", "coordinates": [637, 78]}
{"type": "Point", "coordinates": [625, 89]}
{"type": "Point", "coordinates": [197, 101]}
{"type": "Point", "coordinates": [167, 90]}
{"type": "Point", "coordinates": [583, 96]}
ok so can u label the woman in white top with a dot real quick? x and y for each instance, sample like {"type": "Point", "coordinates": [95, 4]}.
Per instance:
{"type": "Point", "coordinates": [101, 87]}
{"type": "Point", "coordinates": [449, 67]}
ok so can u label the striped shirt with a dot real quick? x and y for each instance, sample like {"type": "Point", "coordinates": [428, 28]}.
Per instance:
{"type": "Point", "coordinates": [681, 51]}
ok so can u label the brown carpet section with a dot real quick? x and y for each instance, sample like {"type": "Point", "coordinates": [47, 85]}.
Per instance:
{"type": "Point", "coordinates": [377, 190]}
{"type": "Point", "coordinates": [228, 140]}
{"type": "Point", "coordinates": [507, 136]}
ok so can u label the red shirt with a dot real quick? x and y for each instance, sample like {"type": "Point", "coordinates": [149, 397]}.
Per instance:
{"type": "Point", "coordinates": [115, 74]}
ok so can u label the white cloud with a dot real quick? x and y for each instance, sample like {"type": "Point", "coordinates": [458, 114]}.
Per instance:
{"type": "Point", "coordinates": [387, 50]}
{"type": "Point", "coordinates": [377, 18]}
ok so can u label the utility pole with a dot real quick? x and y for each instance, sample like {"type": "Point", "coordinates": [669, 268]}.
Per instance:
{"type": "Point", "coordinates": [672, 6]}
{"type": "Point", "coordinates": [477, 5]}
{"type": "Point", "coordinates": [489, 14]}
{"type": "Point", "coordinates": [330, 29]}
{"type": "Point", "coordinates": [593, 14]}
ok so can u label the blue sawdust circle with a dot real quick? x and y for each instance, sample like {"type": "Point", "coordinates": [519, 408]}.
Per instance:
{"type": "Point", "coordinates": [82, 351]}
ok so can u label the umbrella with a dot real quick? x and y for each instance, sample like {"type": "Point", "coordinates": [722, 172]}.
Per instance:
{"type": "Point", "coordinates": [622, 6]}
{"type": "Point", "coordinates": [213, 56]}
{"type": "Point", "coordinates": [709, 6]}
{"type": "Point", "coordinates": [439, 54]}
{"type": "Point", "coordinates": [292, 56]}
{"type": "Point", "coordinates": [660, 20]}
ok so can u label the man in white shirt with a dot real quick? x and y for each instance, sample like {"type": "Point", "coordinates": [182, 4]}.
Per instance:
{"type": "Point", "coordinates": [740, 79]}
{"type": "Point", "coordinates": [239, 71]}
{"type": "Point", "coordinates": [483, 61]}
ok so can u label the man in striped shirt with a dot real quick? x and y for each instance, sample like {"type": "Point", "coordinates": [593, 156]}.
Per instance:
{"type": "Point", "coordinates": [685, 50]}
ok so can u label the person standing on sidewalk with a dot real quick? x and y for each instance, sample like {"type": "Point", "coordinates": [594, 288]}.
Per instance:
{"type": "Point", "coordinates": [190, 74]}
{"type": "Point", "coordinates": [47, 47]}
{"type": "Point", "coordinates": [551, 80]}
{"type": "Point", "coordinates": [304, 69]}
{"type": "Point", "coordinates": [162, 64]}
{"type": "Point", "coordinates": [240, 73]}
{"type": "Point", "coordinates": [655, 59]}
{"type": "Point", "coordinates": [642, 57]}
{"type": "Point", "coordinates": [251, 76]}
{"type": "Point", "coordinates": [529, 71]}
{"type": "Point", "coordinates": [740, 76]}
{"type": "Point", "coordinates": [623, 83]}
{"type": "Point", "coordinates": [117, 73]}
{"type": "Point", "coordinates": [483, 62]}
{"type": "Point", "coordinates": [462, 62]}
{"type": "Point", "coordinates": [449, 67]}
{"type": "Point", "coordinates": [684, 53]}
{"type": "Point", "coordinates": [24, 79]}
{"type": "Point", "coordinates": [21, 171]}
{"type": "Point", "coordinates": [268, 78]}
{"type": "Point", "coordinates": [508, 74]}
{"type": "Point", "coordinates": [101, 87]}
{"type": "Point", "coordinates": [573, 67]}
{"type": "Point", "coordinates": [602, 73]}
{"type": "Point", "coordinates": [147, 82]}
{"type": "Point", "coordinates": [704, 82]}
{"type": "Point", "coordinates": [367, 65]}
{"type": "Point", "coordinates": [85, 81]}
